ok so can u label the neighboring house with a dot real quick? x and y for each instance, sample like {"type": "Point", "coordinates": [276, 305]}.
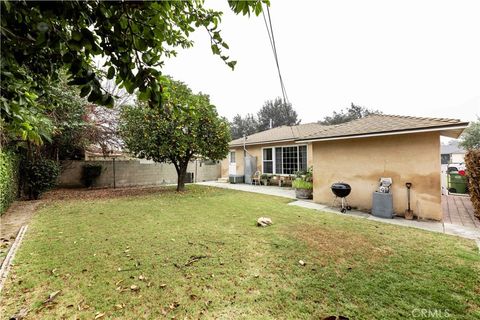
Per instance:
{"type": "Point", "coordinates": [359, 153]}
{"type": "Point", "coordinates": [452, 153]}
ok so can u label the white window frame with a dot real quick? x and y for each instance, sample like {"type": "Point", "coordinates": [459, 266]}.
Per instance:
{"type": "Point", "coordinates": [234, 158]}
{"type": "Point", "coordinates": [274, 157]}
{"type": "Point", "coordinates": [273, 160]}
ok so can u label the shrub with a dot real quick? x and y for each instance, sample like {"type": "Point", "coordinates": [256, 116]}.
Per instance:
{"type": "Point", "coordinates": [300, 183]}
{"type": "Point", "coordinates": [41, 175]}
{"type": "Point", "coordinates": [472, 161]}
{"type": "Point", "coordinates": [9, 162]}
{"type": "Point", "coordinates": [305, 175]}
{"type": "Point", "coordinates": [90, 173]}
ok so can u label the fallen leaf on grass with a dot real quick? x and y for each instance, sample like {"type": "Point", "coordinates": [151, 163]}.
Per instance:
{"type": "Point", "coordinates": [119, 306]}
{"type": "Point", "coordinates": [301, 262]}
{"type": "Point", "coordinates": [194, 259]}
{"type": "Point", "coordinates": [22, 313]}
{"type": "Point", "coordinates": [174, 305]}
{"type": "Point", "coordinates": [141, 277]}
{"type": "Point", "coordinates": [82, 305]}
{"type": "Point", "coordinates": [134, 287]}
{"type": "Point", "coordinates": [99, 315]}
{"type": "Point", "coordinates": [163, 285]}
{"type": "Point", "coordinates": [51, 297]}
{"type": "Point", "coordinates": [119, 281]}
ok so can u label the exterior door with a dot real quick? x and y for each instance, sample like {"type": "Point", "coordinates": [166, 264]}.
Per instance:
{"type": "Point", "coordinates": [232, 167]}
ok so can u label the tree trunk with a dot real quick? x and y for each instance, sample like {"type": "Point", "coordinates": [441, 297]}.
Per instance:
{"type": "Point", "coordinates": [181, 173]}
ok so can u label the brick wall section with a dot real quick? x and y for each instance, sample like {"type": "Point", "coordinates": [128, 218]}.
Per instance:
{"type": "Point", "coordinates": [135, 173]}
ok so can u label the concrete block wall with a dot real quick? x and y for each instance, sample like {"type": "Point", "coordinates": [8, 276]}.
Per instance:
{"type": "Point", "coordinates": [135, 173]}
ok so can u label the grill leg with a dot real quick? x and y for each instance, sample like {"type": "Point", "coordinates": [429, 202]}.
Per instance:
{"type": "Point", "coordinates": [343, 210]}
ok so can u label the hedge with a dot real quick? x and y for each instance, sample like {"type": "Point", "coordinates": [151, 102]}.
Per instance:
{"type": "Point", "coordinates": [9, 165]}
{"type": "Point", "coordinates": [472, 161]}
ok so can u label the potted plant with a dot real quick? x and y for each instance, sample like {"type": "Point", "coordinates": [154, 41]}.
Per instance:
{"type": "Point", "coordinates": [275, 180]}
{"type": "Point", "coordinates": [303, 184]}
{"type": "Point", "coordinates": [264, 178]}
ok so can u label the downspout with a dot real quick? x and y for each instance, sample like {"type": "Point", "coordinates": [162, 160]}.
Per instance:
{"type": "Point", "coordinates": [245, 152]}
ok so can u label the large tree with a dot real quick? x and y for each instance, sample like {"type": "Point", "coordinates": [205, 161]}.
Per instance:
{"type": "Point", "coordinates": [39, 38]}
{"type": "Point", "coordinates": [186, 126]}
{"type": "Point", "coordinates": [241, 126]}
{"type": "Point", "coordinates": [352, 113]}
{"type": "Point", "coordinates": [471, 136]}
{"type": "Point", "coordinates": [278, 112]}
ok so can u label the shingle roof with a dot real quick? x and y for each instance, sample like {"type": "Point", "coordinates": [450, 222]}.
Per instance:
{"type": "Point", "coordinates": [373, 124]}
{"type": "Point", "coordinates": [283, 133]}
{"type": "Point", "coordinates": [382, 123]}
{"type": "Point", "coordinates": [452, 147]}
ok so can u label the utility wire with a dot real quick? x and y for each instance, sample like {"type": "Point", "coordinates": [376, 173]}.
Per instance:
{"type": "Point", "coordinates": [269, 27]}
{"type": "Point", "coordinates": [274, 46]}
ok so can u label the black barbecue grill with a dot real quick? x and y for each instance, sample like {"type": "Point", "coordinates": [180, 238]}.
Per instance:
{"type": "Point", "coordinates": [341, 190]}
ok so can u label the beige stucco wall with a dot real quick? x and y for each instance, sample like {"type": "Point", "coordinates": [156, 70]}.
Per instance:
{"type": "Point", "coordinates": [256, 151]}
{"type": "Point", "coordinates": [361, 162]}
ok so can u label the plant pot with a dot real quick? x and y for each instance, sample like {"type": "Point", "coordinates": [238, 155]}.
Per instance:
{"type": "Point", "coordinates": [304, 193]}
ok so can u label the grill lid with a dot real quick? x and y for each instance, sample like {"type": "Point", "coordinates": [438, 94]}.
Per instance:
{"type": "Point", "coordinates": [341, 186]}
{"type": "Point", "coordinates": [341, 189]}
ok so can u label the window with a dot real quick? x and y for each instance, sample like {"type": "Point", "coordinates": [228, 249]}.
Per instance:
{"type": "Point", "coordinates": [446, 158]}
{"type": "Point", "coordinates": [302, 158]}
{"type": "Point", "coordinates": [278, 160]}
{"type": "Point", "coordinates": [232, 157]}
{"type": "Point", "coordinates": [284, 160]}
{"type": "Point", "coordinates": [267, 160]}
{"type": "Point", "coordinates": [289, 160]}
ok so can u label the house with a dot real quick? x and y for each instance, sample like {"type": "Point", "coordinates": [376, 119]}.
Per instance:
{"type": "Point", "coordinates": [452, 153]}
{"type": "Point", "coordinates": [359, 153]}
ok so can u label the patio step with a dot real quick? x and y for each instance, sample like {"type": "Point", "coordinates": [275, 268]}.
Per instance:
{"type": "Point", "coordinates": [223, 180]}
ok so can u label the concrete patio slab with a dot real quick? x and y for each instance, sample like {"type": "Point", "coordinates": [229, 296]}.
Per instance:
{"type": "Point", "coordinates": [451, 229]}
{"type": "Point", "coordinates": [270, 190]}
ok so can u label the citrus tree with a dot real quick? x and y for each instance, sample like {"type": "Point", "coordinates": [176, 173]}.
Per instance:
{"type": "Point", "coordinates": [186, 126]}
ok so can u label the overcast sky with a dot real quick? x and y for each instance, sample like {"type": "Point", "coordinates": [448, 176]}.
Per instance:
{"type": "Point", "coordinates": [419, 58]}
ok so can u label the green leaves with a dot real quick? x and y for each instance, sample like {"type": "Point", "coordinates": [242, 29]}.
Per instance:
{"type": "Point", "coordinates": [111, 72]}
{"type": "Point", "coordinates": [186, 125]}
{"type": "Point", "coordinates": [215, 49]}
{"type": "Point", "coordinates": [133, 37]}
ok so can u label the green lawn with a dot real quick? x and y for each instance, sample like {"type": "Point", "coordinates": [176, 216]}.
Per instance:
{"type": "Point", "coordinates": [199, 254]}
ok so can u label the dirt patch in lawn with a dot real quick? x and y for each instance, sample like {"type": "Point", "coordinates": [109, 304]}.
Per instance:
{"type": "Point", "coordinates": [80, 194]}
{"type": "Point", "coordinates": [19, 214]}
{"type": "Point", "coordinates": [340, 244]}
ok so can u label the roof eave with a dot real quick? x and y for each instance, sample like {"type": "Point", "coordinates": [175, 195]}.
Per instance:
{"type": "Point", "coordinates": [452, 131]}
{"type": "Point", "coordinates": [260, 142]}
